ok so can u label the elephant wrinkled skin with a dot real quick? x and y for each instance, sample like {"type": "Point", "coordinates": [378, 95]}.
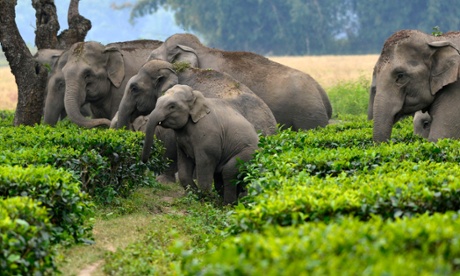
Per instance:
{"type": "Point", "coordinates": [417, 71]}
{"type": "Point", "coordinates": [211, 138]}
{"type": "Point", "coordinates": [157, 76]}
{"type": "Point", "coordinates": [295, 98]}
{"type": "Point", "coordinates": [97, 74]}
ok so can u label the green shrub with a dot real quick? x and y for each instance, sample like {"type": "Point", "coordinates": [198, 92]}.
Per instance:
{"type": "Point", "coordinates": [425, 245]}
{"type": "Point", "coordinates": [6, 117]}
{"type": "Point", "coordinates": [25, 238]}
{"type": "Point", "coordinates": [58, 190]}
{"type": "Point", "coordinates": [106, 160]}
{"type": "Point", "coordinates": [336, 149]}
{"type": "Point", "coordinates": [391, 190]}
{"type": "Point", "coordinates": [350, 97]}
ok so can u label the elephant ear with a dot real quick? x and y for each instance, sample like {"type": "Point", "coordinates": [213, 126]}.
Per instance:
{"type": "Point", "coordinates": [115, 66]}
{"type": "Point", "coordinates": [187, 54]}
{"type": "Point", "coordinates": [445, 63]}
{"type": "Point", "coordinates": [199, 107]}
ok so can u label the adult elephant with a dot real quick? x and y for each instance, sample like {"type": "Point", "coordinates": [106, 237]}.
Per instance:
{"type": "Point", "coordinates": [295, 98]}
{"type": "Point", "coordinates": [212, 138]}
{"type": "Point", "coordinates": [97, 74]}
{"type": "Point", "coordinates": [157, 76]}
{"type": "Point", "coordinates": [418, 71]}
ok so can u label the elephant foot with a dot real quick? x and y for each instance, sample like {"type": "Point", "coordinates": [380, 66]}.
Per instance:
{"type": "Point", "coordinates": [166, 178]}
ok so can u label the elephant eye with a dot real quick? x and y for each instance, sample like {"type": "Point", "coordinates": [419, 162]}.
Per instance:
{"type": "Point", "coordinates": [87, 75]}
{"type": "Point", "coordinates": [172, 107]}
{"type": "Point", "coordinates": [400, 76]}
{"type": "Point", "coordinates": [134, 89]}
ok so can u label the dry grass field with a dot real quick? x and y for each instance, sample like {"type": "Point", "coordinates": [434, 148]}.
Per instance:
{"type": "Point", "coordinates": [327, 70]}
{"type": "Point", "coordinates": [331, 70]}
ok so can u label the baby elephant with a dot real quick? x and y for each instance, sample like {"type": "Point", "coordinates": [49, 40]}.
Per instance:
{"type": "Point", "coordinates": [211, 137]}
{"type": "Point", "coordinates": [422, 123]}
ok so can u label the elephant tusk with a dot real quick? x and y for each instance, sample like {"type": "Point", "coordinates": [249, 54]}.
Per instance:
{"type": "Point", "coordinates": [159, 123]}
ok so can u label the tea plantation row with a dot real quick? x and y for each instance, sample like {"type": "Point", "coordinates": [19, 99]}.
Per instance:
{"type": "Point", "coordinates": [331, 202]}
{"type": "Point", "coordinates": [327, 201]}
{"type": "Point", "coordinates": [49, 179]}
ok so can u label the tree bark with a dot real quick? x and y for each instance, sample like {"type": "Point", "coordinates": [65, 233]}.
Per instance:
{"type": "Point", "coordinates": [79, 27]}
{"type": "Point", "coordinates": [47, 24]}
{"type": "Point", "coordinates": [30, 76]}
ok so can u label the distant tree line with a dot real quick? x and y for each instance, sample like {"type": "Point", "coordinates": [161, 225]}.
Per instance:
{"type": "Point", "coordinates": [299, 27]}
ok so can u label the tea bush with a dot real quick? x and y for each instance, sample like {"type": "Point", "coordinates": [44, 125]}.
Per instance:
{"type": "Point", "coordinates": [423, 245]}
{"type": "Point", "coordinates": [69, 209]}
{"type": "Point", "coordinates": [106, 160]}
{"type": "Point", "coordinates": [25, 238]}
{"type": "Point", "coordinates": [391, 190]}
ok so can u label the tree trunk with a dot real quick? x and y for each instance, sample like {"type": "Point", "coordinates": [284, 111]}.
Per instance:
{"type": "Point", "coordinates": [30, 76]}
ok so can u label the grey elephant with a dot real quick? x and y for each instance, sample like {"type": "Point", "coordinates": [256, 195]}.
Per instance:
{"type": "Point", "coordinates": [418, 71]}
{"type": "Point", "coordinates": [97, 74]}
{"type": "Point", "coordinates": [157, 76]}
{"type": "Point", "coordinates": [138, 124]}
{"type": "Point", "coordinates": [422, 123]}
{"type": "Point", "coordinates": [48, 57]}
{"type": "Point", "coordinates": [295, 98]}
{"type": "Point", "coordinates": [212, 138]}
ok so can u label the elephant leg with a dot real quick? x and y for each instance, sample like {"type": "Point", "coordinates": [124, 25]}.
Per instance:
{"type": "Point", "coordinates": [205, 175]}
{"type": "Point", "coordinates": [185, 167]}
{"type": "Point", "coordinates": [168, 138]}
{"type": "Point", "coordinates": [219, 184]}
{"type": "Point", "coordinates": [229, 173]}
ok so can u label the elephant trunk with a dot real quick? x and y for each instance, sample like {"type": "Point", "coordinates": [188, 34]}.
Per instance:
{"type": "Point", "coordinates": [52, 112]}
{"type": "Point", "coordinates": [125, 112]}
{"type": "Point", "coordinates": [73, 100]}
{"type": "Point", "coordinates": [149, 132]}
{"type": "Point", "coordinates": [385, 115]}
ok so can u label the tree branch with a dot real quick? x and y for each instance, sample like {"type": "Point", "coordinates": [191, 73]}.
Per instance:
{"type": "Point", "coordinates": [47, 24]}
{"type": "Point", "coordinates": [79, 27]}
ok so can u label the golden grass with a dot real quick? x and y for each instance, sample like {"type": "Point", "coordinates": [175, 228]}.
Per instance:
{"type": "Point", "coordinates": [331, 70]}
{"type": "Point", "coordinates": [8, 89]}
{"type": "Point", "coordinates": [327, 70]}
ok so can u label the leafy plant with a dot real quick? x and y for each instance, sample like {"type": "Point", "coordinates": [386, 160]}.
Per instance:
{"type": "Point", "coordinates": [106, 161]}
{"type": "Point", "coordinates": [436, 31]}
{"type": "Point", "coordinates": [70, 210]}
{"type": "Point", "coordinates": [25, 238]}
{"type": "Point", "coordinates": [350, 97]}
{"type": "Point", "coordinates": [423, 245]}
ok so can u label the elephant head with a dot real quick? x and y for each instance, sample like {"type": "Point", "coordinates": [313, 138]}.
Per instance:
{"type": "Point", "coordinates": [54, 102]}
{"type": "Point", "coordinates": [175, 109]}
{"type": "Point", "coordinates": [410, 72]}
{"type": "Point", "coordinates": [143, 90]}
{"type": "Point", "coordinates": [179, 48]}
{"type": "Point", "coordinates": [89, 73]}
{"type": "Point", "coordinates": [422, 123]}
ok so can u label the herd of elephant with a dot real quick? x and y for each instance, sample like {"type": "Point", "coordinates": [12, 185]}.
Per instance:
{"type": "Point", "coordinates": [208, 105]}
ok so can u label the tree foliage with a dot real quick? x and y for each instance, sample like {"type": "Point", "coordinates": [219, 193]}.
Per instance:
{"type": "Point", "coordinates": [297, 27]}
